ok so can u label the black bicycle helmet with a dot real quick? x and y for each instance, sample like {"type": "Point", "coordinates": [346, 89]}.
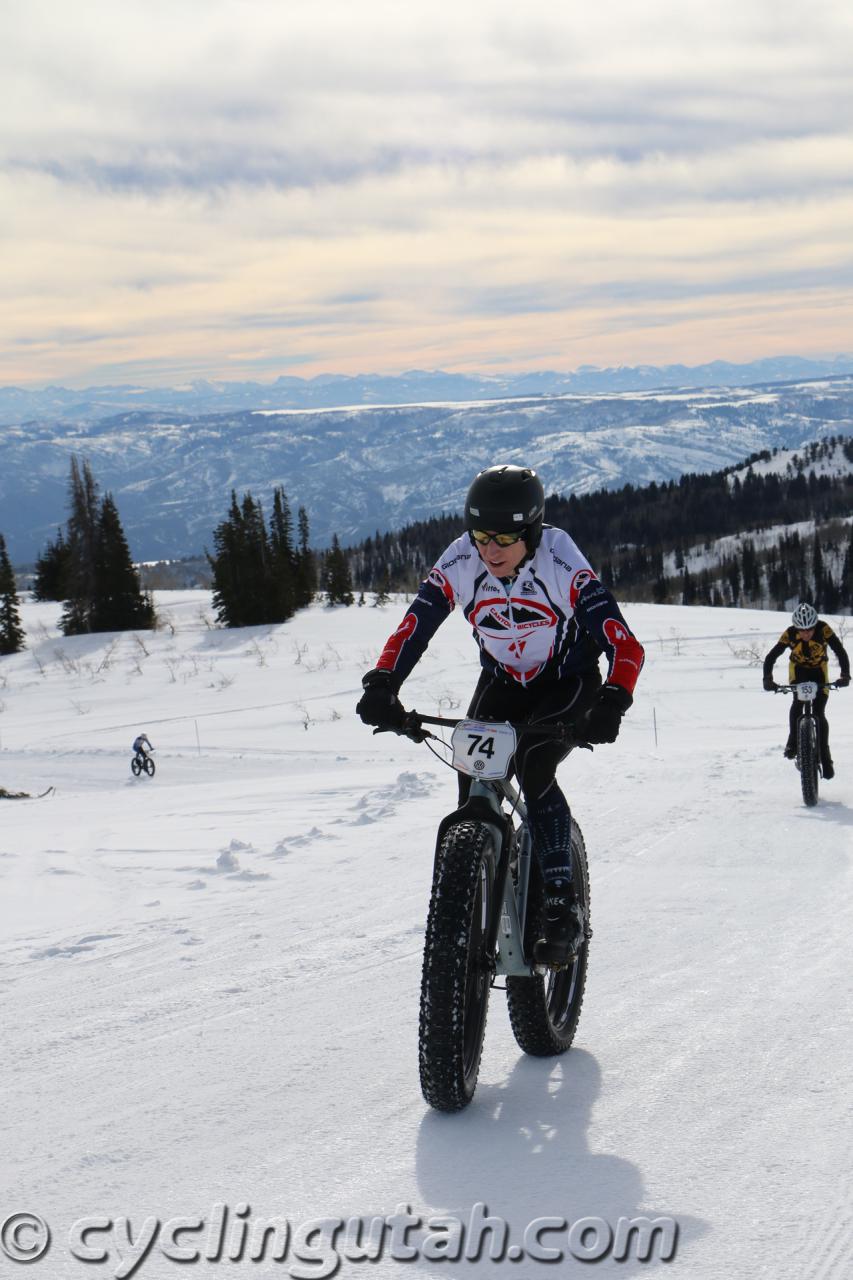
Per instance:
{"type": "Point", "coordinates": [507, 499]}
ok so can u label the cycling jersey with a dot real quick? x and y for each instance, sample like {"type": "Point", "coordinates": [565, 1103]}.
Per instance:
{"type": "Point", "coordinates": [809, 654]}
{"type": "Point", "coordinates": [554, 618]}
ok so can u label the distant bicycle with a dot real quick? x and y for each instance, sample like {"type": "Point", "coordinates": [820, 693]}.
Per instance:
{"type": "Point", "coordinates": [808, 737]}
{"type": "Point", "coordinates": [142, 763]}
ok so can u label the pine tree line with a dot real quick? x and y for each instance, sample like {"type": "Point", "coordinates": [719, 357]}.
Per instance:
{"type": "Point", "coordinates": [630, 534]}
{"type": "Point", "coordinates": [261, 574]}
{"type": "Point", "coordinates": [89, 566]}
{"type": "Point", "coordinates": [11, 632]}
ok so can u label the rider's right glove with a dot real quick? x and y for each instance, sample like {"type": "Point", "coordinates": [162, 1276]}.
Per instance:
{"type": "Point", "coordinates": [770, 684]}
{"type": "Point", "coordinates": [379, 703]}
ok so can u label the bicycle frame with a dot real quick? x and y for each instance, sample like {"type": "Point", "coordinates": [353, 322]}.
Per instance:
{"type": "Point", "coordinates": [506, 930]}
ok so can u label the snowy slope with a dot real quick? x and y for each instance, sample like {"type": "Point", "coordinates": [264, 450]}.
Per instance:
{"type": "Point", "coordinates": [210, 978]}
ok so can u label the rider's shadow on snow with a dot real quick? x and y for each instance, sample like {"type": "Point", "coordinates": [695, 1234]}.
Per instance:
{"type": "Point", "coordinates": [522, 1149]}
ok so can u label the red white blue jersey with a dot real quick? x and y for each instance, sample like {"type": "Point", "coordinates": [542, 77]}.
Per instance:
{"type": "Point", "coordinates": [554, 618]}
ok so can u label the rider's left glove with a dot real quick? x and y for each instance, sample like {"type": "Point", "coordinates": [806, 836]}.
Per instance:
{"type": "Point", "coordinates": [379, 704]}
{"type": "Point", "coordinates": [605, 714]}
{"type": "Point", "coordinates": [843, 682]}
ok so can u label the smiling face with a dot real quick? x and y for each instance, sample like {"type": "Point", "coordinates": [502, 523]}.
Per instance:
{"type": "Point", "coordinates": [502, 561]}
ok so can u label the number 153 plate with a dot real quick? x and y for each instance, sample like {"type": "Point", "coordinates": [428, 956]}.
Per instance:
{"type": "Point", "coordinates": [483, 750]}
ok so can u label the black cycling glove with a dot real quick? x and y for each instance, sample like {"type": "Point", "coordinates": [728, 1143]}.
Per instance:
{"type": "Point", "coordinates": [770, 684]}
{"type": "Point", "coordinates": [605, 715]}
{"type": "Point", "coordinates": [379, 704]}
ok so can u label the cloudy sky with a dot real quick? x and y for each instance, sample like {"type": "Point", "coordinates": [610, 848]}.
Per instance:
{"type": "Point", "coordinates": [247, 188]}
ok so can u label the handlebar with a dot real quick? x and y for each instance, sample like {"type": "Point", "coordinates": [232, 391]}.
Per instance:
{"type": "Point", "coordinates": [413, 722]}
{"type": "Point", "coordinates": [792, 688]}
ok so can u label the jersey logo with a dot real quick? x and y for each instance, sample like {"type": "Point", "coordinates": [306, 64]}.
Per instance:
{"type": "Point", "coordinates": [615, 631]}
{"type": "Point", "coordinates": [437, 578]}
{"type": "Point", "coordinates": [579, 581]}
{"type": "Point", "coordinates": [494, 616]}
{"type": "Point", "coordinates": [391, 652]}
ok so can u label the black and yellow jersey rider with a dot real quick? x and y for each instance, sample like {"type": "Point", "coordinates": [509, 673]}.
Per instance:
{"type": "Point", "coordinates": [809, 640]}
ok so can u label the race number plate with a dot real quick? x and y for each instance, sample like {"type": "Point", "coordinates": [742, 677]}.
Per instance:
{"type": "Point", "coordinates": [483, 750]}
{"type": "Point", "coordinates": [807, 690]}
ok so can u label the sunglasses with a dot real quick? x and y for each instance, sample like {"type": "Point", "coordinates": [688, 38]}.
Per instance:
{"type": "Point", "coordinates": [483, 539]}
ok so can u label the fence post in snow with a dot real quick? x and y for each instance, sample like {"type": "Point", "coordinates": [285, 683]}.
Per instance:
{"type": "Point", "coordinates": [197, 739]}
{"type": "Point", "coordinates": [655, 722]}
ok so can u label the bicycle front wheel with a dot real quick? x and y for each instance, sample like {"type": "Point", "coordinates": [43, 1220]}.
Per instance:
{"type": "Point", "coordinates": [457, 972]}
{"type": "Point", "coordinates": [149, 766]}
{"type": "Point", "coordinates": [807, 759]}
{"type": "Point", "coordinates": [544, 1009]}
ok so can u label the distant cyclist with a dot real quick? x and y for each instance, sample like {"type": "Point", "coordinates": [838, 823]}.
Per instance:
{"type": "Point", "coordinates": [140, 743]}
{"type": "Point", "coordinates": [808, 639]}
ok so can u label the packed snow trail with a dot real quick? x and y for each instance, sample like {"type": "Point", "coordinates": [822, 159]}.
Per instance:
{"type": "Point", "coordinates": [211, 978]}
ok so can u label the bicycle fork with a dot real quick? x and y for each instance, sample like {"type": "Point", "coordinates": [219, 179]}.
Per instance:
{"type": "Point", "coordinates": [505, 941]}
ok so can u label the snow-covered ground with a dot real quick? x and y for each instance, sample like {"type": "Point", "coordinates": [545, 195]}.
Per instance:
{"type": "Point", "coordinates": [210, 979]}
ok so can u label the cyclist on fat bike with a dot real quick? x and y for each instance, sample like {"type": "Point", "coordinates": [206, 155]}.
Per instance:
{"type": "Point", "coordinates": [808, 639]}
{"type": "Point", "coordinates": [138, 749]}
{"type": "Point", "coordinates": [541, 618]}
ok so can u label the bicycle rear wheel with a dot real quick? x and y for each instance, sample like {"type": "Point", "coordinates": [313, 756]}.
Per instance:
{"type": "Point", "coordinates": [544, 1009]}
{"type": "Point", "coordinates": [457, 972]}
{"type": "Point", "coordinates": [807, 759]}
{"type": "Point", "coordinates": [136, 766]}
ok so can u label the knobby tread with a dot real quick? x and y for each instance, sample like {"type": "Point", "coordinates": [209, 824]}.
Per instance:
{"type": "Point", "coordinates": [807, 756]}
{"type": "Point", "coordinates": [445, 1082]}
{"type": "Point", "coordinates": [540, 1028]}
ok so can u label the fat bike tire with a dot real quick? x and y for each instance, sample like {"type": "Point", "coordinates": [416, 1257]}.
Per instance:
{"type": "Point", "coordinates": [457, 972]}
{"type": "Point", "coordinates": [136, 766]}
{"type": "Point", "coordinates": [149, 767]}
{"type": "Point", "coordinates": [544, 1009]}
{"type": "Point", "coordinates": [807, 758]}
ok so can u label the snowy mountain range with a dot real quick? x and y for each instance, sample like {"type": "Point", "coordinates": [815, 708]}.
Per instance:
{"type": "Point", "coordinates": [417, 386]}
{"type": "Point", "coordinates": [359, 469]}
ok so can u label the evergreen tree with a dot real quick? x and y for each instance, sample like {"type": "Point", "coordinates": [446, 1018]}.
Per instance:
{"type": "Point", "coordinates": [818, 571]}
{"type": "Point", "coordinates": [688, 588]}
{"type": "Point", "coordinates": [255, 578]}
{"type": "Point", "coordinates": [337, 578]}
{"type": "Point", "coordinates": [383, 595]}
{"type": "Point", "coordinates": [119, 602]}
{"type": "Point", "coordinates": [225, 566]}
{"type": "Point", "coordinates": [82, 540]}
{"type": "Point", "coordinates": [99, 584]}
{"type": "Point", "coordinates": [282, 558]}
{"type": "Point", "coordinates": [52, 568]}
{"type": "Point", "coordinates": [305, 568]}
{"type": "Point", "coordinates": [846, 584]}
{"type": "Point", "coordinates": [11, 631]}
{"type": "Point", "coordinates": [256, 573]}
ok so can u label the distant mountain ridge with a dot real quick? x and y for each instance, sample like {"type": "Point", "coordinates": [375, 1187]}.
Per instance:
{"type": "Point", "coordinates": [364, 469]}
{"type": "Point", "coordinates": [417, 386]}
